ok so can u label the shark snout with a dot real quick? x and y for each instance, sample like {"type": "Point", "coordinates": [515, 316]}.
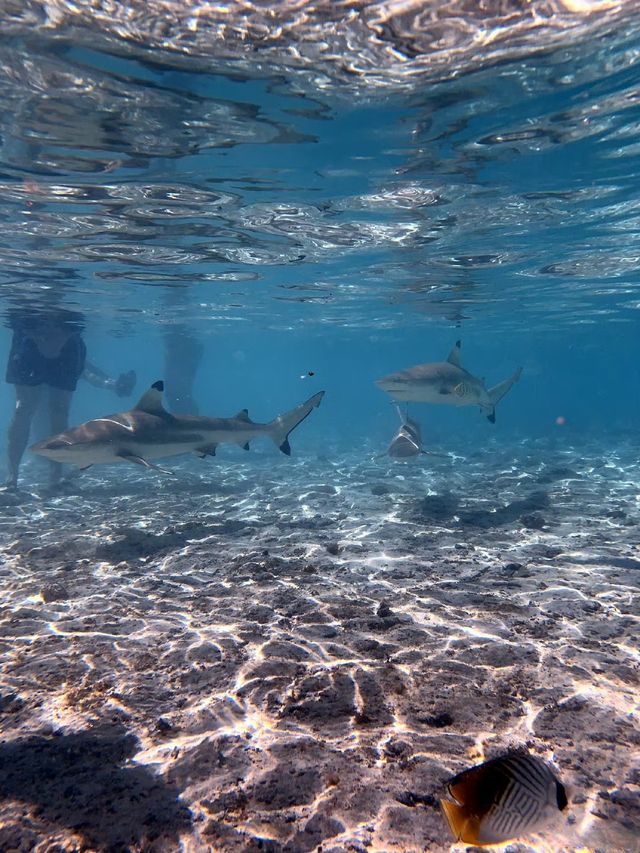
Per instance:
{"type": "Point", "coordinates": [392, 383]}
{"type": "Point", "coordinates": [50, 447]}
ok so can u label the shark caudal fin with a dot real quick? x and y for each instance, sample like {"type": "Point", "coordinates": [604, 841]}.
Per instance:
{"type": "Point", "coordinates": [280, 427]}
{"type": "Point", "coordinates": [496, 394]}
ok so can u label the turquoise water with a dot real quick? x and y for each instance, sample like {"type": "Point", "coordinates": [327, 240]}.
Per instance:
{"type": "Point", "coordinates": [302, 226]}
{"type": "Point", "coordinates": [373, 230]}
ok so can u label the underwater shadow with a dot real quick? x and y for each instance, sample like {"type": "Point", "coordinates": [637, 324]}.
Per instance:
{"type": "Point", "coordinates": [78, 781]}
{"type": "Point", "coordinates": [448, 506]}
{"type": "Point", "coordinates": [133, 543]}
{"type": "Point", "coordinates": [180, 485]}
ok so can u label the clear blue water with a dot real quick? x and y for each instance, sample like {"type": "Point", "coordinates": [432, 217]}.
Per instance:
{"type": "Point", "coordinates": [293, 229]}
{"type": "Point", "coordinates": [294, 218]}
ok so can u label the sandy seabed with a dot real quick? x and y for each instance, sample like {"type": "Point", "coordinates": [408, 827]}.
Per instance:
{"type": "Point", "coordinates": [265, 654]}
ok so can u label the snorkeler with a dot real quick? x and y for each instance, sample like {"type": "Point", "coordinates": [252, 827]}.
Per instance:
{"type": "Point", "coordinates": [48, 354]}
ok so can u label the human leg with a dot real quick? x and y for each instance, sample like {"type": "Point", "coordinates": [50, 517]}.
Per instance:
{"type": "Point", "coordinates": [27, 400]}
{"type": "Point", "coordinates": [59, 405]}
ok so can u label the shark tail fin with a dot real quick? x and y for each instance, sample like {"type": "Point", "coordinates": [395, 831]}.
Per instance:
{"type": "Point", "coordinates": [497, 393]}
{"type": "Point", "coordinates": [280, 427]}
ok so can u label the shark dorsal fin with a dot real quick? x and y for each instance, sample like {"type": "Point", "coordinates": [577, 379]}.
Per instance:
{"type": "Point", "coordinates": [454, 355]}
{"type": "Point", "coordinates": [243, 415]}
{"type": "Point", "coordinates": [151, 400]}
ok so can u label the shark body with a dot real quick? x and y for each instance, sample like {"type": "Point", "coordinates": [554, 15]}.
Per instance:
{"type": "Point", "coordinates": [149, 431]}
{"type": "Point", "coordinates": [407, 442]}
{"type": "Point", "coordinates": [446, 383]}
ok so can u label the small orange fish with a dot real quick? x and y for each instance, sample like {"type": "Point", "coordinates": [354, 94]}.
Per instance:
{"type": "Point", "coordinates": [502, 799]}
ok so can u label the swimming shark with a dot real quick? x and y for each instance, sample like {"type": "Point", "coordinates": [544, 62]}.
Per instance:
{"type": "Point", "coordinates": [407, 442]}
{"type": "Point", "coordinates": [149, 431]}
{"type": "Point", "coordinates": [446, 382]}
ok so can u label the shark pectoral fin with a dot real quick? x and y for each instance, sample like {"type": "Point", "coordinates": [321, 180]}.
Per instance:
{"type": "Point", "coordinates": [403, 418]}
{"type": "Point", "coordinates": [245, 446]}
{"type": "Point", "coordinates": [206, 450]}
{"type": "Point", "coordinates": [454, 355]}
{"type": "Point", "coordinates": [139, 460]}
{"type": "Point", "coordinates": [85, 467]}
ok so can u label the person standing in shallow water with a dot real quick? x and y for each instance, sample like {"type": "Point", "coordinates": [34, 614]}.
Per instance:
{"type": "Point", "coordinates": [183, 353]}
{"type": "Point", "coordinates": [48, 355]}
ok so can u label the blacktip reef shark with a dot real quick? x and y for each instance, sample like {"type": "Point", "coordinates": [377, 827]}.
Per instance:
{"type": "Point", "coordinates": [149, 431]}
{"type": "Point", "coordinates": [448, 383]}
{"type": "Point", "coordinates": [407, 442]}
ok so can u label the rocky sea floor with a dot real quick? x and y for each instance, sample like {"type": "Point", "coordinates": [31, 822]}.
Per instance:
{"type": "Point", "coordinates": [264, 654]}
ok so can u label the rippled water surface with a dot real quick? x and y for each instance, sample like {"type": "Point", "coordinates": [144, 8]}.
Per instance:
{"type": "Point", "coordinates": [505, 190]}
{"type": "Point", "coordinates": [292, 655]}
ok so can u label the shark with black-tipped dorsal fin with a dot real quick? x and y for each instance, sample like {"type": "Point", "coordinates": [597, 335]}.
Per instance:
{"type": "Point", "coordinates": [149, 431]}
{"type": "Point", "coordinates": [407, 442]}
{"type": "Point", "coordinates": [448, 383]}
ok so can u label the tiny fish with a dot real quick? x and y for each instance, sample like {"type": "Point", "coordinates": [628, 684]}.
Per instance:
{"type": "Point", "coordinates": [502, 799]}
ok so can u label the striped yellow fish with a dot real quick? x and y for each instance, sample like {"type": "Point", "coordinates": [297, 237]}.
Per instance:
{"type": "Point", "coordinates": [502, 799]}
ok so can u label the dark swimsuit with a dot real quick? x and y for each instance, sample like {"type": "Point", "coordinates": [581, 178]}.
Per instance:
{"type": "Point", "coordinates": [27, 365]}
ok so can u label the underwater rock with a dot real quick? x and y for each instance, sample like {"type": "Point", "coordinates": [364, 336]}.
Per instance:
{"type": "Point", "coordinates": [13, 497]}
{"type": "Point", "coordinates": [54, 592]}
{"type": "Point", "coordinates": [164, 727]}
{"type": "Point", "coordinates": [319, 631]}
{"type": "Point", "coordinates": [533, 521]}
{"type": "Point", "coordinates": [317, 829]}
{"type": "Point", "coordinates": [384, 610]}
{"type": "Point", "coordinates": [380, 489]}
{"type": "Point", "coordinates": [229, 802]}
{"type": "Point", "coordinates": [438, 721]}
{"type": "Point", "coordinates": [285, 787]}
{"type": "Point", "coordinates": [412, 799]}
{"type": "Point", "coordinates": [286, 650]}
{"type": "Point", "coordinates": [323, 699]}
{"type": "Point", "coordinates": [10, 703]}
{"type": "Point", "coordinates": [558, 473]}
{"type": "Point", "coordinates": [439, 507]}
{"type": "Point", "coordinates": [205, 653]}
